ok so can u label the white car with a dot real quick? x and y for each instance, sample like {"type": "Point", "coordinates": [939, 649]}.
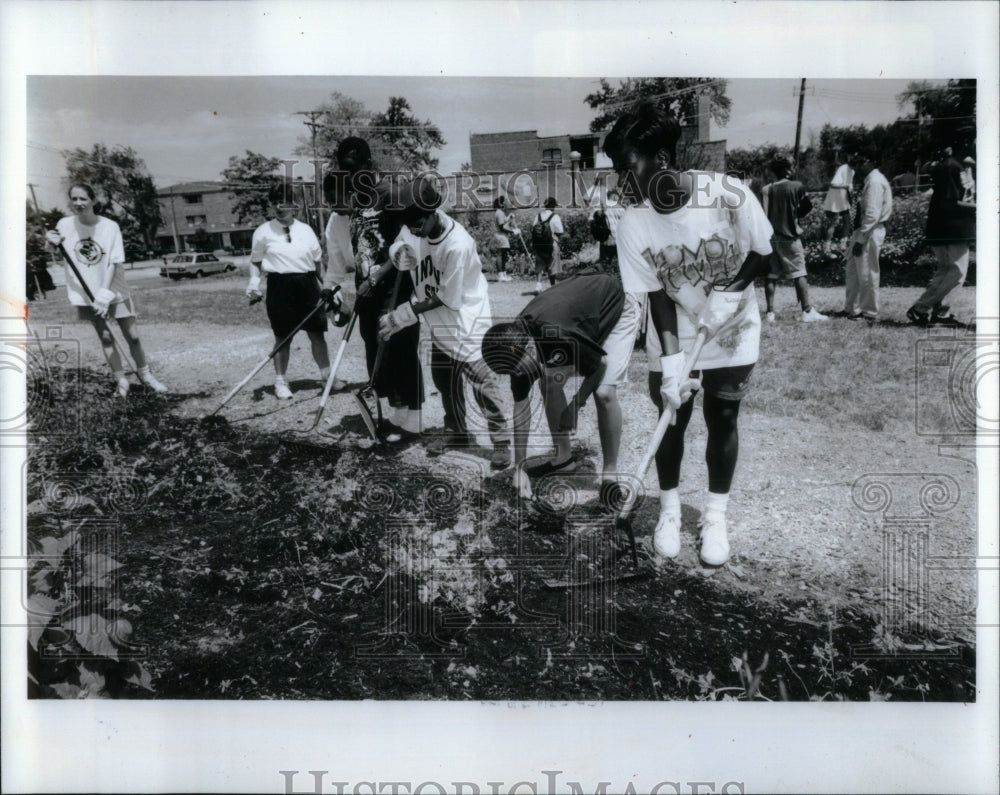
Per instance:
{"type": "Point", "coordinates": [195, 265]}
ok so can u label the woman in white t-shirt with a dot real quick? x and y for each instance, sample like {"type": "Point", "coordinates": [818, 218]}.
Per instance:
{"type": "Point", "coordinates": [690, 233]}
{"type": "Point", "coordinates": [287, 252]}
{"type": "Point", "coordinates": [94, 243]}
{"type": "Point", "coordinates": [501, 238]}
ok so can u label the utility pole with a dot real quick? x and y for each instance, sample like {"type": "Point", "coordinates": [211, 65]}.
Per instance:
{"type": "Point", "coordinates": [798, 123]}
{"type": "Point", "coordinates": [34, 199]}
{"type": "Point", "coordinates": [314, 125]}
{"type": "Point", "coordinates": [173, 222]}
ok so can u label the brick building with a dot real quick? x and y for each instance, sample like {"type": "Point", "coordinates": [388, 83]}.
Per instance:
{"type": "Point", "coordinates": [190, 206]}
{"type": "Point", "coordinates": [553, 161]}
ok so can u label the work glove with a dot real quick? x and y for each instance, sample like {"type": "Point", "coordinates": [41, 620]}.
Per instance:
{"type": "Point", "coordinates": [396, 320]}
{"type": "Point", "coordinates": [253, 290]}
{"type": "Point", "coordinates": [719, 309]}
{"type": "Point", "coordinates": [676, 387]}
{"type": "Point", "coordinates": [403, 256]}
{"type": "Point", "coordinates": [331, 297]}
{"type": "Point", "coordinates": [54, 237]}
{"type": "Point", "coordinates": [103, 299]}
{"type": "Point", "coordinates": [522, 483]}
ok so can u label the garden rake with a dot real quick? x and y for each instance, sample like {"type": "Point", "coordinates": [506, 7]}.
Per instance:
{"type": "Point", "coordinates": [263, 362]}
{"type": "Point", "coordinates": [303, 437]}
{"type": "Point", "coordinates": [119, 348]}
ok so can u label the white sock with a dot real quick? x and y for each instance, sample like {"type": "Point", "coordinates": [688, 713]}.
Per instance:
{"type": "Point", "coordinates": [412, 421]}
{"type": "Point", "coordinates": [670, 501]}
{"type": "Point", "coordinates": [119, 375]}
{"type": "Point", "coordinates": [716, 503]}
{"type": "Point", "coordinates": [279, 379]}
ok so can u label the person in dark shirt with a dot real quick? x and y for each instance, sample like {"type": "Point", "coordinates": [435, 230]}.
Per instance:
{"type": "Point", "coordinates": [785, 202]}
{"type": "Point", "coordinates": [578, 328]}
{"type": "Point", "coordinates": [951, 227]}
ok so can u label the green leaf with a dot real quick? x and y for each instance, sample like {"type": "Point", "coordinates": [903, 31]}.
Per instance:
{"type": "Point", "coordinates": [91, 633]}
{"type": "Point", "coordinates": [96, 568]}
{"type": "Point", "coordinates": [41, 608]}
{"type": "Point", "coordinates": [91, 682]}
{"type": "Point", "coordinates": [140, 677]}
{"type": "Point", "coordinates": [65, 690]}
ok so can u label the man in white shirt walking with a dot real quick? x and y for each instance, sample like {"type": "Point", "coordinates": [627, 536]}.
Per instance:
{"type": "Point", "coordinates": [862, 267]}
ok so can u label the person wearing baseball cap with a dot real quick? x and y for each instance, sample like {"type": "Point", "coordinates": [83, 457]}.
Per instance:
{"type": "Point", "coordinates": [358, 236]}
{"type": "Point", "coordinates": [452, 297]}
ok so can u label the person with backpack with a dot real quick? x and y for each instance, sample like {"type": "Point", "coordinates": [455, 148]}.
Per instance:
{"type": "Point", "coordinates": [603, 224]}
{"type": "Point", "coordinates": [546, 230]}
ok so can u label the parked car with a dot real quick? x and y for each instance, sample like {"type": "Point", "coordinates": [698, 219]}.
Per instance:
{"type": "Point", "coordinates": [195, 265]}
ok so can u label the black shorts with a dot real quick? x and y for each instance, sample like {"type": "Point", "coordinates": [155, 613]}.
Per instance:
{"type": "Point", "coordinates": [725, 383]}
{"type": "Point", "coordinates": [290, 298]}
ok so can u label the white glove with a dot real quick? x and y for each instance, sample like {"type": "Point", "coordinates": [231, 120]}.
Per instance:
{"type": "Point", "coordinates": [102, 301]}
{"type": "Point", "coordinates": [690, 298]}
{"type": "Point", "coordinates": [253, 288]}
{"type": "Point", "coordinates": [720, 308]}
{"type": "Point", "coordinates": [396, 320]}
{"type": "Point", "coordinates": [522, 483]}
{"type": "Point", "coordinates": [676, 387]}
{"type": "Point", "coordinates": [54, 237]}
{"type": "Point", "coordinates": [403, 256]}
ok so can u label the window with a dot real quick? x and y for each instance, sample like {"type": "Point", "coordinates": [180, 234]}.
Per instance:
{"type": "Point", "coordinates": [553, 156]}
{"type": "Point", "coordinates": [192, 198]}
{"type": "Point", "coordinates": [195, 220]}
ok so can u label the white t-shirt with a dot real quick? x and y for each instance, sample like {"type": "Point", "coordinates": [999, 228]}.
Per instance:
{"type": "Point", "coordinates": [449, 267]}
{"type": "Point", "coordinates": [270, 248]}
{"type": "Point", "coordinates": [555, 224]}
{"type": "Point", "coordinates": [703, 243]}
{"type": "Point", "coordinates": [340, 255]}
{"type": "Point", "coordinates": [95, 250]}
{"type": "Point", "coordinates": [836, 197]}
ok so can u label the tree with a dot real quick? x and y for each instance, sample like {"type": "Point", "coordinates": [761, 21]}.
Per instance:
{"type": "Point", "coordinates": [248, 179]}
{"type": "Point", "coordinates": [201, 240]}
{"type": "Point", "coordinates": [404, 141]}
{"type": "Point", "coordinates": [679, 94]}
{"type": "Point", "coordinates": [397, 138]}
{"type": "Point", "coordinates": [124, 187]}
{"type": "Point", "coordinates": [342, 116]}
{"type": "Point", "coordinates": [943, 115]}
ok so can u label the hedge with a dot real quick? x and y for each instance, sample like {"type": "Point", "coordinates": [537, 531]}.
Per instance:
{"type": "Point", "coordinates": [906, 260]}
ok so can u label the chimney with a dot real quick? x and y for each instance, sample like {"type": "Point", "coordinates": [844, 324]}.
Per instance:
{"type": "Point", "coordinates": [704, 116]}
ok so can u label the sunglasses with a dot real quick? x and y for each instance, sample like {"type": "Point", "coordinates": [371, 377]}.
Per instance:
{"type": "Point", "coordinates": [288, 233]}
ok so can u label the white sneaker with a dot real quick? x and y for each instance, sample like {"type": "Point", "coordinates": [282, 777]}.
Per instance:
{"type": "Point", "coordinates": [769, 317]}
{"type": "Point", "coordinates": [538, 288]}
{"type": "Point", "coordinates": [281, 390]}
{"type": "Point", "coordinates": [150, 380]}
{"type": "Point", "coordinates": [714, 539]}
{"type": "Point", "coordinates": [812, 316]}
{"type": "Point", "coordinates": [667, 535]}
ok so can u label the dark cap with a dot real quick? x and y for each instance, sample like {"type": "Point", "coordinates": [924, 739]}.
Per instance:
{"type": "Point", "coordinates": [419, 195]}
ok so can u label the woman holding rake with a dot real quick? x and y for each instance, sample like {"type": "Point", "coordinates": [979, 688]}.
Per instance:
{"type": "Point", "coordinates": [95, 282]}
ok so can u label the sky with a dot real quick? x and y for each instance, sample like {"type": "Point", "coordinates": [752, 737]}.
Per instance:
{"type": "Point", "coordinates": [186, 128]}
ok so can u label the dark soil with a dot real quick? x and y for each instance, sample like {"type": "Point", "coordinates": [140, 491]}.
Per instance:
{"type": "Point", "coordinates": [269, 566]}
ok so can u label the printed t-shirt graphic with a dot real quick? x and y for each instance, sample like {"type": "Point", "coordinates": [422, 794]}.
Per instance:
{"type": "Point", "coordinates": [449, 267]}
{"type": "Point", "coordinates": [94, 250]}
{"type": "Point", "coordinates": [703, 243]}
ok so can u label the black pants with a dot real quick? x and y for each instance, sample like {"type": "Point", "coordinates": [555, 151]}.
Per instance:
{"type": "Point", "coordinates": [400, 378]}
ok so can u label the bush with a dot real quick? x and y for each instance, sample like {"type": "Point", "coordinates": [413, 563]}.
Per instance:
{"type": "Point", "coordinates": [905, 260]}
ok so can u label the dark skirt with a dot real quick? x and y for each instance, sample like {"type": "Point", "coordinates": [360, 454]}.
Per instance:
{"type": "Point", "coordinates": [290, 298]}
